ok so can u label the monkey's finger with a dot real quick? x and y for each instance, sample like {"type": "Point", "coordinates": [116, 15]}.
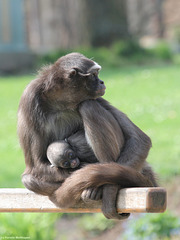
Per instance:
{"type": "Point", "coordinates": [96, 194]}
{"type": "Point", "coordinates": [92, 194]}
{"type": "Point", "coordinates": [85, 196]}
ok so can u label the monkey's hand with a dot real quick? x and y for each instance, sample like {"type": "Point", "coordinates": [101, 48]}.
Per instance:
{"type": "Point", "coordinates": [91, 194]}
{"type": "Point", "coordinates": [109, 199]}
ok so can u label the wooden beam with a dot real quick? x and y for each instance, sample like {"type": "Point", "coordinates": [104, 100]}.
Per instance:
{"type": "Point", "coordinates": [130, 200]}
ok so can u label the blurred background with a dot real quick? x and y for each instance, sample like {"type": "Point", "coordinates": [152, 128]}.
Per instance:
{"type": "Point", "coordinates": [137, 43]}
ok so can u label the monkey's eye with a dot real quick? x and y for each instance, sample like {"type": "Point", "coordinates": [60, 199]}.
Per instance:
{"type": "Point", "coordinates": [66, 164]}
{"type": "Point", "coordinates": [94, 76]}
{"type": "Point", "coordinates": [71, 155]}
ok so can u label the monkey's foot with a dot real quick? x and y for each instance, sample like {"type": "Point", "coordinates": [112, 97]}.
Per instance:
{"type": "Point", "coordinates": [91, 194]}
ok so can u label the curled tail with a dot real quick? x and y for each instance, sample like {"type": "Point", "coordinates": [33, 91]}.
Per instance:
{"type": "Point", "coordinates": [96, 175]}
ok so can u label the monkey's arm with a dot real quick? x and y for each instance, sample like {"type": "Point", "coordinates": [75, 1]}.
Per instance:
{"type": "Point", "coordinates": [137, 143]}
{"type": "Point", "coordinates": [102, 131]}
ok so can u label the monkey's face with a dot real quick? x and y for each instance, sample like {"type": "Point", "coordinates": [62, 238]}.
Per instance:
{"type": "Point", "coordinates": [69, 159]}
{"type": "Point", "coordinates": [61, 155]}
{"type": "Point", "coordinates": [94, 86]}
{"type": "Point", "coordinates": [78, 79]}
{"type": "Point", "coordinates": [87, 85]}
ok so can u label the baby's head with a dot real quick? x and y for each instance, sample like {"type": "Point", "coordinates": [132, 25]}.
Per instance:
{"type": "Point", "coordinates": [60, 154]}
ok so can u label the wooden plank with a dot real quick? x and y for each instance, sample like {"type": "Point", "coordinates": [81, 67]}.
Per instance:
{"type": "Point", "coordinates": [130, 200]}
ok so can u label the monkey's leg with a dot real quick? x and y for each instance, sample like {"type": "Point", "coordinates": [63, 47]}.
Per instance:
{"type": "Point", "coordinates": [36, 185]}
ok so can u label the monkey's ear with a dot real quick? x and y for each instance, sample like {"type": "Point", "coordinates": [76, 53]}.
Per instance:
{"type": "Point", "coordinates": [72, 72]}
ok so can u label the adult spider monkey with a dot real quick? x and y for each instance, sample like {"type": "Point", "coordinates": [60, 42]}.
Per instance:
{"type": "Point", "coordinates": [66, 98]}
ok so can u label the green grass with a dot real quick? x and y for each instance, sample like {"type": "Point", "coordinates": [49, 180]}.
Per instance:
{"type": "Point", "coordinates": [11, 161]}
{"type": "Point", "coordinates": [149, 96]}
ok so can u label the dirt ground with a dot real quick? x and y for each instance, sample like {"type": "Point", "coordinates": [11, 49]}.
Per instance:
{"type": "Point", "coordinates": [69, 230]}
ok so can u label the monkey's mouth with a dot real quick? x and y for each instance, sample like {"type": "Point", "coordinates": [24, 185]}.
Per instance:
{"type": "Point", "coordinates": [101, 91]}
{"type": "Point", "coordinates": [75, 163]}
